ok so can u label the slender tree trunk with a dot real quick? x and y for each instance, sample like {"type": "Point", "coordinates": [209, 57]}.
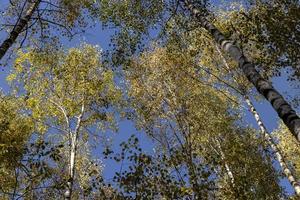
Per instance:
{"type": "Point", "coordinates": [19, 27]}
{"type": "Point", "coordinates": [227, 168]}
{"type": "Point", "coordinates": [283, 109]}
{"type": "Point", "coordinates": [73, 151]}
{"type": "Point", "coordinates": [286, 171]}
{"type": "Point", "coordinates": [68, 193]}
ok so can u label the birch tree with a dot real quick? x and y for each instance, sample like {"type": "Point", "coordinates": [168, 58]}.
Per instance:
{"type": "Point", "coordinates": [201, 18]}
{"type": "Point", "coordinates": [269, 33]}
{"type": "Point", "coordinates": [282, 107]}
{"type": "Point", "coordinates": [289, 148]}
{"type": "Point", "coordinates": [240, 86]}
{"type": "Point", "coordinates": [167, 108]}
{"type": "Point", "coordinates": [68, 91]}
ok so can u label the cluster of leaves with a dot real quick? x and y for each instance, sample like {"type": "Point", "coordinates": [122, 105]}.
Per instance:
{"type": "Point", "coordinates": [268, 32]}
{"type": "Point", "coordinates": [167, 106]}
{"type": "Point", "coordinates": [134, 20]}
{"type": "Point", "coordinates": [58, 83]}
{"type": "Point", "coordinates": [41, 172]}
{"type": "Point", "coordinates": [158, 176]}
{"type": "Point", "coordinates": [181, 175]}
{"type": "Point", "coordinates": [15, 132]}
{"type": "Point", "coordinates": [290, 149]}
{"type": "Point", "coordinates": [54, 87]}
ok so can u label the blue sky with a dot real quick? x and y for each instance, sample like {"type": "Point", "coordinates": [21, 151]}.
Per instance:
{"type": "Point", "coordinates": [98, 35]}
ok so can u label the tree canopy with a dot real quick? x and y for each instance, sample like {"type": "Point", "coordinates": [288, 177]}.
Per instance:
{"type": "Point", "coordinates": [188, 100]}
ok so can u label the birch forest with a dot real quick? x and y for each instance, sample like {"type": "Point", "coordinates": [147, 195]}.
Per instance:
{"type": "Point", "coordinates": [150, 99]}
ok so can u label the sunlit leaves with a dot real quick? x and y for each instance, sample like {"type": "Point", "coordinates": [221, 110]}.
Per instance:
{"type": "Point", "coordinates": [185, 110]}
{"type": "Point", "coordinates": [16, 130]}
{"type": "Point", "coordinates": [289, 148]}
{"type": "Point", "coordinates": [56, 81]}
{"type": "Point", "coordinates": [57, 86]}
{"type": "Point", "coordinates": [268, 33]}
{"type": "Point", "coordinates": [166, 86]}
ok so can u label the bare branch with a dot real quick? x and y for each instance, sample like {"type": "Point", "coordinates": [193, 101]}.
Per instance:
{"type": "Point", "coordinates": [58, 24]}
{"type": "Point", "coordinates": [51, 4]}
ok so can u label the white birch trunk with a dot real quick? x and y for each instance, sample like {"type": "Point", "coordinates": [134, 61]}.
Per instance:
{"type": "Point", "coordinates": [227, 168]}
{"type": "Point", "coordinates": [286, 171]}
{"type": "Point", "coordinates": [72, 162]}
{"type": "Point", "coordinates": [263, 86]}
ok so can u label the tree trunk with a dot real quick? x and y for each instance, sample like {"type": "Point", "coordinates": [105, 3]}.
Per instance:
{"type": "Point", "coordinates": [68, 193]}
{"type": "Point", "coordinates": [19, 27]}
{"type": "Point", "coordinates": [267, 136]}
{"type": "Point", "coordinates": [286, 171]}
{"type": "Point", "coordinates": [227, 168]}
{"type": "Point", "coordinates": [73, 150]}
{"type": "Point", "coordinates": [283, 109]}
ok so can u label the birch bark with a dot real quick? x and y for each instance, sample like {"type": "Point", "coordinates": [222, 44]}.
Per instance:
{"type": "Point", "coordinates": [264, 87]}
{"type": "Point", "coordinates": [19, 27]}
